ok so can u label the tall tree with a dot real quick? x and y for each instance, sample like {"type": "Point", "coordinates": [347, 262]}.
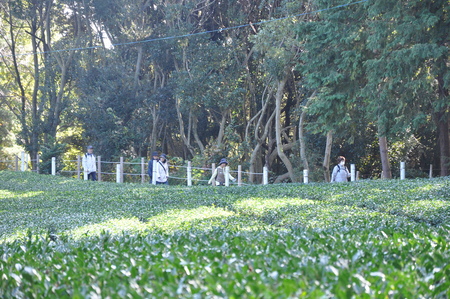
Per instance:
{"type": "Point", "coordinates": [124, 87]}
{"type": "Point", "coordinates": [279, 47]}
{"type": "Point", "coordinates": [39, 93]}
{"type": "Point", "coordinates": [411, 42]}
{"type": "Point", "coordinates": [336, 52]}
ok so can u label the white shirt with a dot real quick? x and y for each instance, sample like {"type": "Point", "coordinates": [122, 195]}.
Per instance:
{"type": "Point", "coordinates": [340, 174]}
{"type": "Point", "coordinates": [89, 164]}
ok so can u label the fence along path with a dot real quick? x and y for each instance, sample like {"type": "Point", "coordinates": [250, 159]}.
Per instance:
{"type": "Point", "coordinates": [22, 163]}
{"type": "Point", "coordinates": [189, 173]}
{"type": "Point", "coordinates": [188, 170]}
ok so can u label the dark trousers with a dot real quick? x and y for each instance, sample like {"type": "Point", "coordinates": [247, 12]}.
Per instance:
{"type": "Point", "coordinates": [92, 176]}
{"type": "Point", "coordinates": [162, 183]}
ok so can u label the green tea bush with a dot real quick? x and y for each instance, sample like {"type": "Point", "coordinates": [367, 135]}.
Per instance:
{"type": "Point", "coordinates": [66, 238]}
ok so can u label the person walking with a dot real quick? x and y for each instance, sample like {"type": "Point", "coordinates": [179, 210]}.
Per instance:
{"type": "Point", "coordinates": [155, 157]}
{"type": "Point", "coordinates": [340, 172]}
{"type": "Point", "coordinates": [162, 171]}
{"type": "Point", "coordinates": [89, 164]}
{"type": "Point", "coordinates": [219, 174]}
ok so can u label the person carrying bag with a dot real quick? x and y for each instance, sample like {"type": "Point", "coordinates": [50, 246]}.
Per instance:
{"type": "Point", "coordinates": [219, 174]}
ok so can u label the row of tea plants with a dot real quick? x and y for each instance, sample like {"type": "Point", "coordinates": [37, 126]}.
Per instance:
{"type": "Point", "coordinates": [63, 238]}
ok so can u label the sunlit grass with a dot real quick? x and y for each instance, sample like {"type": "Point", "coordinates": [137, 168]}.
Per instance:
{"type": "Point", "coordinates": [4, 194]}
{"type": "Point", "coordinates": [178, 219]}
{"type": "Point", "coordinates": [259, 206]}
{"type": "Point", "coordinates": [112, 226]}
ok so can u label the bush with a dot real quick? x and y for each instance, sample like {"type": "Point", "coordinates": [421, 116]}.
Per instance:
{"type": "Point", "coordinates": [49, 151]}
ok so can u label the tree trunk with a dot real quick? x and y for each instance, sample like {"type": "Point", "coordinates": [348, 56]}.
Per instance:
{"type": "Point", "coordinates": [181, 124]}
{"type": "Point", "coordinates": [221, 133]}
{"type": "Point", "coordinates": [442, 119]}
{"type": "Point", "coordinates": [154, 135]}
{"type": "Point", "coordinates": [444, 143]}
{"type": "Point", "coordinates": [137, 70]}
{"type": "Point", "coordinates": [274, 154]}
{"type": "Point", "coordinates": [259, 118]}
{"type": "Point", "coordinates": [57, 105]}
{"type": "Point", "coordinates": [385, 164]}
{"type": "Point", "coordinates": [326, 158]}
{"type": "Point", "coordinates": [259, 141]}
{"type": "Point", "coordinates": [278, 129]}
{"type": "Point", "coordinates": [33, 146]}
{"type": "Point", "coordinates": [301, 139]}
{"type": "Point", "coordinates": [301, 136]}
{"type": "Point", "coordinates": [195, 133]}
{"type": "Point", "coordinates": [29, 128]}
{"type": "Point", "coordinates": [255, 153]}
{"type": "Point", "coordinates": [281, 178]}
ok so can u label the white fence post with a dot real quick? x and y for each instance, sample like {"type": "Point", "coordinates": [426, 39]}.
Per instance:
{"type": "Point", "coordinates": [142, 170]}
{"type": "Point", "coordinates": [121, 169]}
{"type": "Point", "coordinates": [431, 171]}
{"type": "Point", "coordinates": [154, 173]}
{"type": "Point", "coordinates": [213, 167]}
{"type": "Point", "coordinates": [85, 173]}
{"type": "Point", "coordinates": [53, 166]}
{"type": "Point", "coordinates": [22, 161]}
{"type": "Point", "coordinates": [78, 166]}
{"type": "Point", "coordinates": [352, 172]}
{"type": "Point", "coordinates": [305, 176]}
{"type": "Point", "coordinates": [402, 170]}
{"type": "Point", "coordinates": [265, 176]}
{"type": "Point", "coordinates": [99, 168]}
{"type": "Point", "coordinates": [38, 157]}
{"type": "Point", "coordinates": [189, 174]}
{"type": "Point", "coordinates": [118, 173]}
{"type": "Point", "coordinates": [239, 179]}
{"type": "Point", "coordinates": [227, 178]}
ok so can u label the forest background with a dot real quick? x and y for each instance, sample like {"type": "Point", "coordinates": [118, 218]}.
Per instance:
{"type": "Point", "coordinates": [286, 84]}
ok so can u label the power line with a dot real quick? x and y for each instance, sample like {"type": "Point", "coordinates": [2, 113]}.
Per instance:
{"type": "Point", "coordinates": [192, 34]}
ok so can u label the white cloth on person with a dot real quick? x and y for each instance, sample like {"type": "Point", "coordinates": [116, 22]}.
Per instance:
{"type": "Point", "coordinates": [162, 171]}
{"type": "Point", "coordinates": [340, 174]}
{"type": "Point", "coordinates": [89, 163]}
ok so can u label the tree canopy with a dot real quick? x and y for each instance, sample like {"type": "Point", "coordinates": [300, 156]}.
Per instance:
{"type": "Point", "coordinates": [283, 84]}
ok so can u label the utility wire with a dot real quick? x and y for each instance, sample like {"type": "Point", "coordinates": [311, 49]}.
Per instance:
{"type": "Point", "coordinates": [191, 34]}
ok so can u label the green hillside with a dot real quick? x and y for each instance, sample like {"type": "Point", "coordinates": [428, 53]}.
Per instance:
{"type": "Point", "coordinates": [67, 238]}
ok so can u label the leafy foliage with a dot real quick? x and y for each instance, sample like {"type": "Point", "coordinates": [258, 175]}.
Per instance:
{"type": "Point", "coordinates": [200, 79]}
{"type": "Point", "coordinates": [69, 238]}
{"type": "Point", "coordinates": [49, 151]}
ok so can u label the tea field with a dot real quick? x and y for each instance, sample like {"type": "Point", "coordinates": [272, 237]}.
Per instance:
{"type": "Point", "coordinates": [64, 238]}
